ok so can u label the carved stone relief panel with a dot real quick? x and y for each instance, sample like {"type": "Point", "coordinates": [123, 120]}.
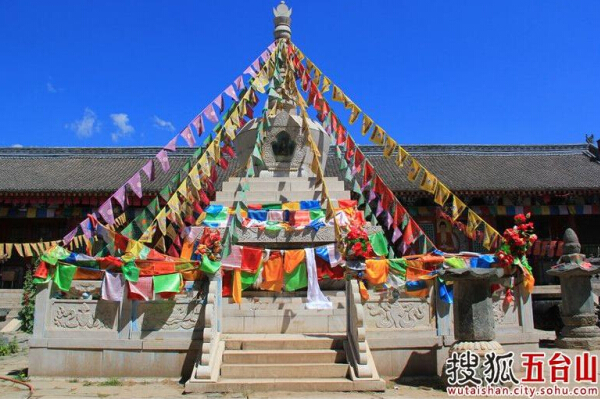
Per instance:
{"type": "Point", "coordinates": [88, 315]}
{"type": "Point", "coordinates": [170, 315]}
{"type": "Point", "coordinates": [400, 314]}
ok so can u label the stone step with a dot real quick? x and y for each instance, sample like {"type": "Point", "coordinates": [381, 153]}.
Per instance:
{"type": "Point", "coordinates": [290, 310]}
{"type": "Point", "coordinates": [309, 370]}
{"type": "Point", "coordinates": [288, 323]}
{"type": "Point", "coordinates": [274, 196]}
{"type": "Point", "coordinates": [279, 185]}
{"type": "Point", "coordinates": [286, 384]}
{"type": "Point", "coordinates": [283, 341]}
{"type": "Point", "coordinates": [282, 356]}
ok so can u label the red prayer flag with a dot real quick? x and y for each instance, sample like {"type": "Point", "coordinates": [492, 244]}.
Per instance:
{"type": "Point", "coordinates": [251, 258]}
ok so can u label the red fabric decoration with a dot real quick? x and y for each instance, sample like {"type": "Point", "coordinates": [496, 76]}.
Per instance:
{"type": "Point", "coordinates": [324, 270]}
{"type": "Point", "coordinates": [369, 172]}
{"type": "Point", "coordinates": [227, 281]}
{"type": "Point", "coordinates": [251, 258]}
{"type": "Point", "coordinates": [41, 271]}
{"type": "Point", "coordinates": [347, 203]}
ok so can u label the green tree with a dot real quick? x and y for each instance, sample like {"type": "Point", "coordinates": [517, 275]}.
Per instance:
{"type": "Point", "coordinates": [28, 301]}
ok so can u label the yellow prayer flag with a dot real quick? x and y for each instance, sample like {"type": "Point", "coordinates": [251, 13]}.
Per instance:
{"type": "Point", "coordinates": [354, 114]}
{"type": "Point", "coordinates": [338, 95]}
{"type": "Point", "coordinates": [161, 220]}
{"type": "Point", "coordinates": [8, 247]}
{"type": "Point", "coordinates": [195, 177]}
{"type": "Point", "coordinates": [326, 84]}
{"type": "Point", "coordinates": [390, 146]}
{"type": "Point", "coordinates": [183, 188]}
{"type": "Point", "coordinates": [473, 221]}
{"type": "Point", "coordinates": [401, 157]}
{"type": "Point", "coordinates": [174, 204]}
{"type": "Point", "coordinates": [378, 135]}
{"type": "Point", "coordinates": [27, 250]}
{"type": "Point", "coordinates": [429, 182]}
{"type": "Point", "coordinates": [489, 236]}
{"type": "Point", "coordinates": [160, 244]}
{"type": "Point", "coordinates": [441, 194]}
{"type": "Point", "coordinates": [171, 233]}
{"type": "Point", "coordinates": [457, 207]}
{"type": "Point", "coordinates": [366, 125]}
{"type": "Point", "coordinates": [414, 169]}
{"type": "Point", "coordinates": [19, 248]}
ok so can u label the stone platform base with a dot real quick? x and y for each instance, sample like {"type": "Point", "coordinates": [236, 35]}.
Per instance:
{"type": "Point", "coordinates": [588, 344]}
{"type": "Point", "coordinates": [112, 358]}
{"type": "Point", "coordinates": [289, 385]}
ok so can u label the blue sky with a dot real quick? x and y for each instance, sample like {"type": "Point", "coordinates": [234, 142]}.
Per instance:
{"type": "Point", "coordinates": [106, 73]}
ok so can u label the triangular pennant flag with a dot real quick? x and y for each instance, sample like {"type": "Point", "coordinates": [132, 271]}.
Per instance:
{"type": "Point", "coordinates": [249, 71]}
{"type": "Point", "coordinates": [489, 236]}
{"type": "Point", "coordinates": [366, 125]}
{"type": "Point", "coordinates": [210, 113]}
{"type": "Point", "coordinates": [198, 123]}
{"type": "Point", "coordinates": [378, 135]}
{"type": "Point", "coordinates": [188, 136]}
{"type": "Point", "coordinates": [119, 196]}
{"type": "Point", "coordinates": [326, 84]}
{"type": "Point", "coordinates": [414, 169]}
{"type": "Point", "coordinates": [441, 194]}
{"type": "Point", "coordinates": [136, 184]}
{"type": "Point", "coordinates": [230, 91]}
{"type": "Point", "coordinates": [401, 157]}
{"type": "Point", "coordinates": [149, 170]}
{"type": "Point", "coordinates": [172, 145]}
{"type": "Point", "coordinates": [429, 182]}
{"type": "Point", "coordinates": [354, 114]}
{"type": "Point", "coordinates": [106, 212]}
{"type": "Point", "coordinates": [457, 207]}
{"type": "Point", "coordinates": [338, 95]}
{"type": "Point", "coordinates": [163, 158]}
{"type": "Point", "coordinates": [219, 102]}
{"type": "Point", "coordinates": [473, 221]}
{"type": "Point", "coordinates": [195, 177]}
{"type": "Point", "coordinates": [390, 147]}
{"type": "Point", "coordinates": [239, 83]}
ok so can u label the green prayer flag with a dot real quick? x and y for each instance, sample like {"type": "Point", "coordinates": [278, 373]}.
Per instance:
{"type": "Point", "coordinates": [398, 267]}
{"type": "Point", "coordinates": [317, 214]}
{"type": "Point", "coordinates": [455, 262]}
{"type": "Point", "coordinates": [272, 206]}
{"type": "Point", "coordinates": [343, 164]}
{"type": "Point", "coordinates": [167, 282]}
{"type": "Point", "coordinates": [64, 276]}
{"type": "Point", "coordinates": [131, 272]}
{"type": "Point", "coordinates": [379, 243]}
{"type": "Point", "coordinates": [210, 266]}
{"type": "Point", "coordinates": [297, 279]}
{"type": "Point", "coordinates": [248, 278]}
{"type": "Point", "coordinates": [218, 217]}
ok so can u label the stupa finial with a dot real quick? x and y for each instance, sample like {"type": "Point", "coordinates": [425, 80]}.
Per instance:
{"type": "Point", "coordinates": [282, 21]}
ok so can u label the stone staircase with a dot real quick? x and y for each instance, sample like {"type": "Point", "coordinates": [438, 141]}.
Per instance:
{"type": "Point", "coordinates": [278, 189]}
{"type": "Point", "coordinates": [271, 342]}
{"type": "Point", "coordinates": [10, 305]}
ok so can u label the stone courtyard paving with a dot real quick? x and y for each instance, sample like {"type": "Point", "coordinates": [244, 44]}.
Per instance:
{"type": "Point", "coordinates": [15, 365]}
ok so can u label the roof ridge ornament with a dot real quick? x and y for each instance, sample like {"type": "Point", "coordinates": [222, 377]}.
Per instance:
{"type": "Point", "coordinates": [282, 21]}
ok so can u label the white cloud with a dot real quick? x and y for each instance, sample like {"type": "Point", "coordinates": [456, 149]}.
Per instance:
{"type": "Point", "coordinates": [86, 126]}
{"type": "Point", "coordinates": [124, 129]}
{"type": "Point", "coordinates": [17, 146]}
{"type": "Point", "coordinates": [163, 124]}
{"type": "Point", "coordinates": [51, 88]}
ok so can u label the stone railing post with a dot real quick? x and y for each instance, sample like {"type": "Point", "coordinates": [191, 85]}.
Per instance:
{"type": "Point", "coordinates": [474, 325]}
{"type": "Point", "coordinates": [209, 359]}
{"type": "Point", "coordinates": [356, 332]}
{"type": "Point", "coordinates": [577, 302]}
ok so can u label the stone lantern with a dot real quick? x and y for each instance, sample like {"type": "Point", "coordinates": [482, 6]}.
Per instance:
{"type": "Point", "coordinates": [577, 307]}
{"type": "Point", "coordinates": [474, 325]}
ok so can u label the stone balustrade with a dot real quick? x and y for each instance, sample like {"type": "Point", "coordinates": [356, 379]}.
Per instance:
{"type": "Point", "coordinates": [357, 351]}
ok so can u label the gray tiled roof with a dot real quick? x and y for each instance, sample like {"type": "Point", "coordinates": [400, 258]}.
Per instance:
{"type": "Point", "coordinates": [463, 168]}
